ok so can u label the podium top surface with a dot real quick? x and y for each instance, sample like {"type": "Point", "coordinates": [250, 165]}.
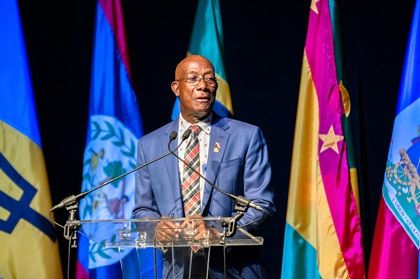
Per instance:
{"type": "Point", "coordinates": [141, 233]}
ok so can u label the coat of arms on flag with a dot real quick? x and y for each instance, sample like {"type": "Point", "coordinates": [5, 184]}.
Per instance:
{"type": "Point", "coordinates": [402, 181]}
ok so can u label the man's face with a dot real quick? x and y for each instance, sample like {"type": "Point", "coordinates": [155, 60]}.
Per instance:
{"type": "Point", "coordinates": [196, 86]}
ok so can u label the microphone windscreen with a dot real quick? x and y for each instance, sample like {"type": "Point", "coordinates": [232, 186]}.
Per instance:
{"type": "Point", "coordinates": [173, 135]}
{"type": "Point", "coordinates": [186, 134]}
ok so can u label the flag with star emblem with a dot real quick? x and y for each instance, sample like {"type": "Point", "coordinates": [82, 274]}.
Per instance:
{"type": "Point", "coordinates": [397, 234]}
{"type": "Point", "coordinates": [323, 236]}
{"type": "Point", "coordinates": [207, 40]}
{"type": "Point", "coordinates": [28, 241]}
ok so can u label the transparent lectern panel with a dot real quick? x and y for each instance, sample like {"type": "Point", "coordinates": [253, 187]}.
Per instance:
{"type": "Point", "coordinates": [138, 233]}
{"type": "Point", "coordinates": [172, 247]}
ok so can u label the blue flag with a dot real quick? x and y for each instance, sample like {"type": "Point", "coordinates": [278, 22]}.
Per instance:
{"type": "Point", "coordinates": [28, 240]}
{"type": "Point", "coordinates": [397, 232]}
{"type": "Point", "coordinates": [114, 126]}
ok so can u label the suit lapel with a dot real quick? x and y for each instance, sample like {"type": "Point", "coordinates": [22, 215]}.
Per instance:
{"type": "Point", "coordinates": [172, 168]}
{"type": "Point", "coordinates": [218, 143]}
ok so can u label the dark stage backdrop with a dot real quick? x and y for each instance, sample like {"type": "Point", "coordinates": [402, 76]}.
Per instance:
{"type": "Point", "coordinates": [264, 42]}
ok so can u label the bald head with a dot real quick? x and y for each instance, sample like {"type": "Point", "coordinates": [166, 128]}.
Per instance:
{"type": "Point", "coordinates": [181, 67]}
{"type": "Point", "coordinates": [195, 84]}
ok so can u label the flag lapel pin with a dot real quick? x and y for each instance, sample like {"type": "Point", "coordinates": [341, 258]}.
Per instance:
{"type": "Point", "coordinates": [216, 147]}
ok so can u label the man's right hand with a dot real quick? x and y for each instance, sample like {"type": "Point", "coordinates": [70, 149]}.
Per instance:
{"type": "Point", "coordinates": [167, 230]}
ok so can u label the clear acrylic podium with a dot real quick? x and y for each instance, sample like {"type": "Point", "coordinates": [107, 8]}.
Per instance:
{"type": "Point", "coordinates": [140, 234]}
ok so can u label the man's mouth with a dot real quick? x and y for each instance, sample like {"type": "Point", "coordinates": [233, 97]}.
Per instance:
{"type": "Point", "coordinates": [202, 99]}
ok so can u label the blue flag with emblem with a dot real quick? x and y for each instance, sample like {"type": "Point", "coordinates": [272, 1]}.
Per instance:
{"type": "Point", "coordinates": [396, 243]}
{"type": "Point", "coordinates": [114, 126]}
{"type": "Point", "coordinates": [207, 40]}
{"type": "Point", "coordinates": [29, 246]}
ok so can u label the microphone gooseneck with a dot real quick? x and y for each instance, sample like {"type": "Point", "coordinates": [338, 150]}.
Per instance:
{"type": "Point", "coordinates": [74, 198]}
{"type": "Point", "coordinates": [238, 199]}
{"type": "Point", "coordinates": [71, 202]}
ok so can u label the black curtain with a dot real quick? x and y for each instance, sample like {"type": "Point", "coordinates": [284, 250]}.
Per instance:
{"type": "Point", "coordinates": [264, 42]}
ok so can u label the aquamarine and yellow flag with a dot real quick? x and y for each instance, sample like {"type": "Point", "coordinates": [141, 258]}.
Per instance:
{"type": "Point", "coordinates": [28, 242]}
{"type": "Point", "coordinates": [207, 40]}
{"type": "Point", "coordinates": [323, 236]}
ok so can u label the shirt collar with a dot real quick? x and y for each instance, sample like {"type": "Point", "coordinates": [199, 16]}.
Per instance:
{"type": "Point", "coordinates": [205, 124]}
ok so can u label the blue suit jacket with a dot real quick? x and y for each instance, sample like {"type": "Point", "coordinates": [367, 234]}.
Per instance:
{"type": "Point", "coordinates": [240, 166]}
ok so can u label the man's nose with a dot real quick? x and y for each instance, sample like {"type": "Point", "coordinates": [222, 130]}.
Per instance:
{"type": "Point", "coordinates": [201, 84]}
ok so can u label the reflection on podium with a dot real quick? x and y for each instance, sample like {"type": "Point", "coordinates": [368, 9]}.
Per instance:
{"type": "Point", "coordinates": [189, 247]}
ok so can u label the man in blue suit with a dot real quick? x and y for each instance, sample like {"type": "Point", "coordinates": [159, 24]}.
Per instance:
{"type": "Point", "coordinates": [229, 153]}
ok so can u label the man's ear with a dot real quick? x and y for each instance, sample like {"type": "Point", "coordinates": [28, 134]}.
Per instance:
{"type": "Point", "coordinates": [174, 87]}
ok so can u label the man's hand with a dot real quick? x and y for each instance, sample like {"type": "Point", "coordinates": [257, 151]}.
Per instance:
{"type": "Point", "coordinates": [196, 224]}
{"type": "Point", "coordinates": [166, 230]}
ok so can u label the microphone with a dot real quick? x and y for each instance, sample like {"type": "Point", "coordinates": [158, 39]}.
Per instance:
{"type": "Point", "coordinates": [74, 198]}
{"type": "Point", "coordinates": [241, 200]}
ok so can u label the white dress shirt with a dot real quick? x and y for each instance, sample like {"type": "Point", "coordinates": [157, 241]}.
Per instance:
{"type": "Point", "coordinates": [204, 140]}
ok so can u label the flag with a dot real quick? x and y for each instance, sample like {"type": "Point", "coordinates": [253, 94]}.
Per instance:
{"type": "Point", "coordinates": [395, 246]}
{"type": "Point", "coordinates": [207, 40]}
{"type": "Point", "coordinates": [114, 126]}
{"type": "Point", "coordinates": [29, 246]}
{"type": "Point", "coordinates": [323, 237]}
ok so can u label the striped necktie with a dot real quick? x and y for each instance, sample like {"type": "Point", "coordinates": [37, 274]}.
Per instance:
{"type": "Point", "coordinates": [190, 179]}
